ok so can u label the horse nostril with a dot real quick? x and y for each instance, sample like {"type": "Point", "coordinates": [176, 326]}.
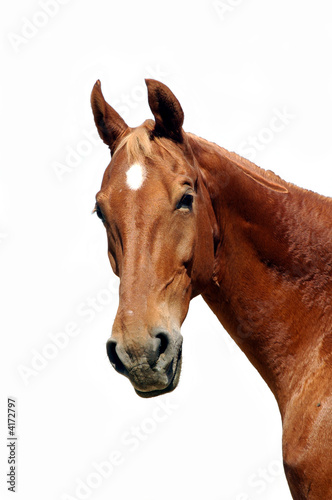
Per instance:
{"type": "Point", "coordinates": [164, 342]}
{"type": "Point", "coordinates": [114, 357]}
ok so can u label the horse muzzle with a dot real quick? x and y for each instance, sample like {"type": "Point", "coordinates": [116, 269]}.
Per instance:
{"type": "Point", "coordinates": [152, 363]}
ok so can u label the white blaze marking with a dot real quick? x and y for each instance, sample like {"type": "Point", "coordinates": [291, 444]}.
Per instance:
{"type": "Point", "coordinates": [135, 176]}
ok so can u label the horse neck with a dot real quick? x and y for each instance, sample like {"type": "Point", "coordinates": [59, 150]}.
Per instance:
{"type": "Point", "coordinates": [272, 282]}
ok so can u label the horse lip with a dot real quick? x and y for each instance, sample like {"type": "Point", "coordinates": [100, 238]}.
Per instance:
{"type": "Point", "coordinates": [171, 386]}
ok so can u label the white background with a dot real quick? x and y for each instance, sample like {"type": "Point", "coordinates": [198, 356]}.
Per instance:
{"type": "Point", "coordinates": [233, 66]}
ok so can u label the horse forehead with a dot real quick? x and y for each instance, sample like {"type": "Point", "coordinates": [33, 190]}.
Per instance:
{"type": "Point", "coordinates": [137, 172]}
{"type": "Point", "coordinates": [161, 169]}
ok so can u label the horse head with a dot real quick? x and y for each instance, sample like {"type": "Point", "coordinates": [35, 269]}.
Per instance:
{"type": "Point", "coordinates": [161, 233]}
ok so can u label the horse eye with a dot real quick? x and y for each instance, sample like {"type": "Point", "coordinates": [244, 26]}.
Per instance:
{"type": "Point", "coordinates": [186, 202]}
{"type": "Point", "coordinates": [99, 213]}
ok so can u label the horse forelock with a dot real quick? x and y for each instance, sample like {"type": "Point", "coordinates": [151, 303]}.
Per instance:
{"type": "Point", "coordinates": [138, 143]}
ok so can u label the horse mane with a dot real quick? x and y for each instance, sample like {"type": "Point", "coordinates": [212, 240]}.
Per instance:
{"type": "Point", "coordinates": [264, 177]}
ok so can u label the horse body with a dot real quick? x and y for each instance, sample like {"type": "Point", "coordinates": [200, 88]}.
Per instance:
{"type": "Point", "coordinates": [197, 219]}
{"type": "Point", "coordinates": [272, 292]}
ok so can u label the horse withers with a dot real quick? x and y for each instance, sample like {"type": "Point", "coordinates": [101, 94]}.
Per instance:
{"type": "Point", "coordinates": [185, 217]}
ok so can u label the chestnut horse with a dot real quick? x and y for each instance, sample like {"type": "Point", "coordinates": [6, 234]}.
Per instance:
{"type": "Point", "coordinates": [185, 217]}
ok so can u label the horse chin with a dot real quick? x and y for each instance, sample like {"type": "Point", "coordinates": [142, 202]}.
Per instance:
{"type": "Point", "coordinates": [173, 384]}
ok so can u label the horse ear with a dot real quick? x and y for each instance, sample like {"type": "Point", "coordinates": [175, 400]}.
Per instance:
{"type": "Point", "coordinates": [166, 109]}
{"type": "Point", "coordinates": [109, 123]}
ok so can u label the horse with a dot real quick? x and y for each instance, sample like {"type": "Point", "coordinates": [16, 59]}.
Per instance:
{"type": "Point", "coordinates": [185, 217]}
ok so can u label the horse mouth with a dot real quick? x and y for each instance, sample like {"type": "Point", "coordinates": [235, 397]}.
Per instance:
{"type": "Point", "coordinates": [170, 387]}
